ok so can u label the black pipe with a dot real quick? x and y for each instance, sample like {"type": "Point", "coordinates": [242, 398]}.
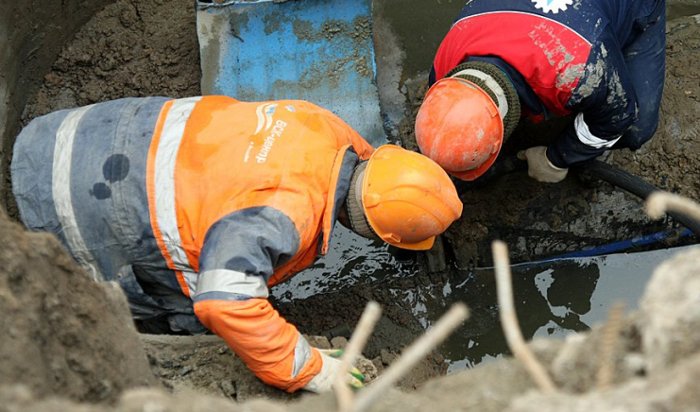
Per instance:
{"type": "Point", "coordinates": [594, 168]}
{"type": "Point", "coordinates": [633, 184]}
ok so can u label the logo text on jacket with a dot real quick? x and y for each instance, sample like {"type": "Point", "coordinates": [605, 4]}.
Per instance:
{"type": "Point", "coordinates": [269, 141]}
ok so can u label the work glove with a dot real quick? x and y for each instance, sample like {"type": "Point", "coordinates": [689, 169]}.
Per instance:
{"type": "Point", "coordinates": [323, 382]}
{"type": "Point", "coordinates": [539, 167]}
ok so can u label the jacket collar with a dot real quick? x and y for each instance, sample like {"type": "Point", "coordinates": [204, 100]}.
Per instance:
{"type": "Point", "coordinates": [343, 167]}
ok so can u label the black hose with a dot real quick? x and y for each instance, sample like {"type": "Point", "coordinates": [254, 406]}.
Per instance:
{"type": "Point", "coordinates": [633, 184]}
{"type": "Point", "coordinates": [594, 168]}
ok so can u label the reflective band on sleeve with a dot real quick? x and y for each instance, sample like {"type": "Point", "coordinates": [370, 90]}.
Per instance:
{"type": "Point", "coordinates": [492, 84]}
{"type": "Point", "coordinates": [221, 282]}
{"type": "Point", "coordinates": [190, 279]}
{"type": "Point", "coordinates": [586, 137]}
{"type": "Point", "coordinates": [302, 354]}
{"type": "Point", "coordinates": [61, 191]}
{"type": "Point", "coordinates": [164, 179]}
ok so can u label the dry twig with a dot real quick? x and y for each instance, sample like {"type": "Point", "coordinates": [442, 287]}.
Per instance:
{"type": "Point", "coordinates": [509, 319]}
{"type": "Point", "coordinates": [414, 353]}
{"type": "Point", "coordinates": [357, 342]}
{"type": "Point", "coordinates": [609, 339]}
{"type": "Point", "coordinates": [659, 203]}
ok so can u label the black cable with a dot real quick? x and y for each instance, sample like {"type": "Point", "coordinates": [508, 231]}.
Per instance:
{"type": "Point", "coordinates": [594, 168]}
{"type": "Point", "coordinates": [633, 184]}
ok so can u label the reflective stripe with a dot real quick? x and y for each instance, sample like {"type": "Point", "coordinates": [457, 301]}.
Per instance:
{"type": "Point", "coordinates": [586, 137]}
{"type": "Point", "coordinates": [231, 282]}
{"type": "Point", "coordinates": [187, 281]}
{"type": "Point", "coordinates": [164, 180]}
{"type": "Point", "coordinates": [492, 84]}
{"type": "Point", "coordinates": [302, 354]}
{"type": "Point", "coordinates": [61, 190]}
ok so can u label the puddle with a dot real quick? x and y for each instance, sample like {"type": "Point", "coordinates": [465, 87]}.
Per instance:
{"type": "Point", "coordinates": [552, 300]}
{"type": "Point", "coordinates": [351, 259]}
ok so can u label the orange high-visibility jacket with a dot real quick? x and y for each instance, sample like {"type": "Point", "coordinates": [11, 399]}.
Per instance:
{"type": "Point", "coordinates": [218, 198]}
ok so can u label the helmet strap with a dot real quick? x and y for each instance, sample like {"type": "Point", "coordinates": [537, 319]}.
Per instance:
{"type": "Point", "coordinates": [356, 213]}
{"type": "Point", "coordinates": [497, 85]}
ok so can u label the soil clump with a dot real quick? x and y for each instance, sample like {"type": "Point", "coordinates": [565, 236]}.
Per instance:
{"type": "Point", "coordinates": [64, 334]}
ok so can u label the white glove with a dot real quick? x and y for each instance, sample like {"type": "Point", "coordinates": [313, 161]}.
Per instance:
{"type": "Point", "coordinates": [539, 167]}
{"type": "Point", "coordinates": [323, 382]}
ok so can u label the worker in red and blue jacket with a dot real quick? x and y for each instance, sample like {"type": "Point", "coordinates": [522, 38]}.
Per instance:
{"type": "Point", "coordinates": [601, 61]}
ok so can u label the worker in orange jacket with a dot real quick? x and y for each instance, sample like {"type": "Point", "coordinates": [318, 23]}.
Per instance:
{"type": "Point", "coordinates": [196, 206]}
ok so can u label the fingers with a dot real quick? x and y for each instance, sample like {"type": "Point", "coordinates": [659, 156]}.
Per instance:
{"type": "Point", "coordinates": [353, 377]}
{"type": "Point", "coordinates": [357, 375]}
{"type": "Point", "coordinates": [355, 384]}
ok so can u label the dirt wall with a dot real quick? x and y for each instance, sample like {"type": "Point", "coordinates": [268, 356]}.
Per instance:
{"type": "Point", "coordinates": [63, 334]}
{"type": "Point", "coordinates": [32, 33]}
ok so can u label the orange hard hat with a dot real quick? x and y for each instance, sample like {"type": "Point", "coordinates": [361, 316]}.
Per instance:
{"type": "Point", "coordinates": [407, 198]}
{"type": "Point", "coordinates": [459, 127]}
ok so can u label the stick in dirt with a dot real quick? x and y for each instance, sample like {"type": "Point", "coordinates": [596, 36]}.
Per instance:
{"type": "Point", "coordinates": [509, 319]}
{"type": "Point", "coordinates": [659, 203]}
{"type": "Point", "coordinates": [354, 348]}
{"type": "Point", "coordinates": [414, 353]}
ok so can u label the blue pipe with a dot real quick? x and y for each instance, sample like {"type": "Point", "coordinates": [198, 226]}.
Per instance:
{"type": "Point", "coordinates": [622, 245]}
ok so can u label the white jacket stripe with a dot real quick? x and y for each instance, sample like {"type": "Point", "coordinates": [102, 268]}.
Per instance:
{"type": "Point", "coordinates": [165, 161]}
{"type": "Point", "coordinates": [61, 190]}
{"type": "Point", "coordinates": [586, 137]}
{"type": "Point", "coordinates": [222, 282]}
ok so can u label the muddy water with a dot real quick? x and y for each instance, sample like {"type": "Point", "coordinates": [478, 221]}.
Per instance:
{"type": "Point", "coordinates": [350, 260]}
{"type": "Point", "coordinates": [553, 299]}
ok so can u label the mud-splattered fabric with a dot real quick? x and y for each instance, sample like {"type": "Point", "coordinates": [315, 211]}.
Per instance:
{"type": "Point", "coordinates": [203, 199]}
{"type": "Point", "coordinates": [600, 60]}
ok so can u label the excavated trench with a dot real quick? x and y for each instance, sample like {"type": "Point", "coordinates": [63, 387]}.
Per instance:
{"type": "Point", "coordinates": [72, 53]}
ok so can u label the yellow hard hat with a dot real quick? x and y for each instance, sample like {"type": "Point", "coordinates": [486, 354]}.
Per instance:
{"type": "Point", "coordinates": [407, 198]}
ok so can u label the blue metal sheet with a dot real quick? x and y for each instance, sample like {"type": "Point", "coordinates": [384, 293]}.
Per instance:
{"type": "Point", "coordinates": [316, 50]}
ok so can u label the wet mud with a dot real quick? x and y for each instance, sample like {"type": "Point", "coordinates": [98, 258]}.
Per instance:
{"type": "Point", "coordinates": [125, 50]}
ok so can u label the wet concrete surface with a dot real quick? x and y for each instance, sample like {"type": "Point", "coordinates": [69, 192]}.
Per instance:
{"type": "Point", "coordinates": [419, 26]}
